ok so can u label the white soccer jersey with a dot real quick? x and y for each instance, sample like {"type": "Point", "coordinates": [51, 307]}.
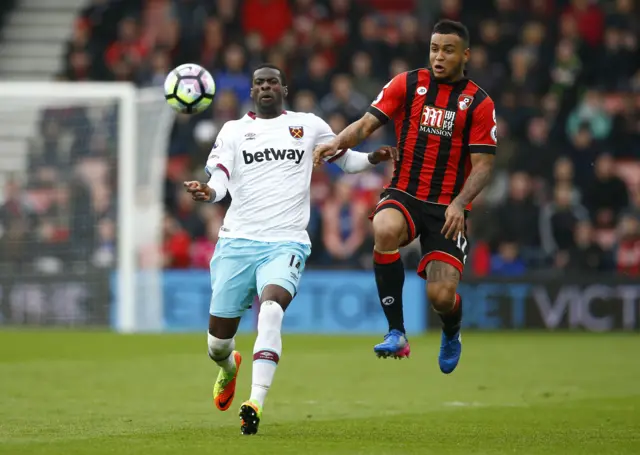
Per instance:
{"type": "Point", "coordinates": [268, 163]}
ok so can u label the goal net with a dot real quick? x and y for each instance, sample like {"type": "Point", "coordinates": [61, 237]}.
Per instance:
{"type": "Point", "coordinates": [82, 168]}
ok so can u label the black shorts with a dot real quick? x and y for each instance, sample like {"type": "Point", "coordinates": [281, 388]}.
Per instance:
{"type": "Point", "coordinates": [426, 220]}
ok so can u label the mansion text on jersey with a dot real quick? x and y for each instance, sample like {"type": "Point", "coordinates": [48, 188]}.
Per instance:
{"type": "Point", "coordinates": [437, 121]}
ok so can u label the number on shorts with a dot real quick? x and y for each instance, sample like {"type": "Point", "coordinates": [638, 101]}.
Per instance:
{"type": "Point", "coordinates": [462, 246]}
{"type": "Point", "coordinates": [293, 260]}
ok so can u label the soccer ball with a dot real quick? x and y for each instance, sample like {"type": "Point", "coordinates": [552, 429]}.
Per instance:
{"type": "Point", "coordinates": [189, 88]}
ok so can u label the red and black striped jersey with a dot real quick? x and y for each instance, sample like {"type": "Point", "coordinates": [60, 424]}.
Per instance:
{"type": "Point", "coordinates": [438, 125]}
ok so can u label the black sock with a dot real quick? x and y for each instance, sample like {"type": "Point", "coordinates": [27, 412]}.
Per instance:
{"type": "Point", "coordinates": [452, 320]}
{"type": "Point", "coordinates": [389, 272]}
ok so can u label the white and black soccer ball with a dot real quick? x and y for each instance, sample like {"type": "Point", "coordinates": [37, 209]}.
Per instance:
{"type": "Point", "coordinates": [189, 88]}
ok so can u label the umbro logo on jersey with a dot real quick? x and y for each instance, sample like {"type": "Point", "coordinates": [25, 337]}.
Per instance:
{"type": "Point", "coordinates": [273, 155]}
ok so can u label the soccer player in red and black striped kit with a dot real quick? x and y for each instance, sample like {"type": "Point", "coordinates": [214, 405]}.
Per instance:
{"type": "Point", "coordinates": [446, 131]}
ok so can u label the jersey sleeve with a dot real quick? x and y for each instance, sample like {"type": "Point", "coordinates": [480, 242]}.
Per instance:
{"type": "Point", "coordinates": [222, 153]}
{"type": "Point", "coordinates": [390, 99]}
{"type": "Point", "coordinates": [483, 136]}
{"type": "Point", "coordinates": [325, 134]}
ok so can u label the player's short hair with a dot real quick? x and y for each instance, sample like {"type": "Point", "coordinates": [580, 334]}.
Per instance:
{"type": "Point", "coordinates": [283, 78]}
{"type": "Point", "coordinates": [449, 27]}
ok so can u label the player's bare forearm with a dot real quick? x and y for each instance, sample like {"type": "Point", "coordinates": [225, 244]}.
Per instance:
{"type": "Point", "coordinates": [481, 170]}
{"type": "Point", "coordinates": [358, 131]}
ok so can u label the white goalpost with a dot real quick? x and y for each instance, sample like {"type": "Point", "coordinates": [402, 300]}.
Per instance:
{"type": "Point", "coordinates": [81, 211]}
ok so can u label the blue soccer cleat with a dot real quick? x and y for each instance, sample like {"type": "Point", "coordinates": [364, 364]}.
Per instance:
{"type": "Point", "coordinates": [450, 350]}
{"type": "Point", "coordinates": [395, 345]}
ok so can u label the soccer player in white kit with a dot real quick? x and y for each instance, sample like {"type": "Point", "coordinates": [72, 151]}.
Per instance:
{"type": "Point", "coordinates": [264, 160]}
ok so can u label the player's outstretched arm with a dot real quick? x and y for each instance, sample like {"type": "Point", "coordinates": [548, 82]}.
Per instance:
{"type": "Point", "coordinates": [385, 107]}
{"type": "Point", "coordinates": [358, 131]}
{"type": "Point", "coordinates": [351, 136]}
{"type": "Point", "coordinates": [212, 191]}
{"type": "Point", "coordinates": [352, 162]}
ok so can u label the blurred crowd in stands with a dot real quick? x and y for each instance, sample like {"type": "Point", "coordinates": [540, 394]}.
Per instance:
{"type": "Point", "coordinates": [565, 77]}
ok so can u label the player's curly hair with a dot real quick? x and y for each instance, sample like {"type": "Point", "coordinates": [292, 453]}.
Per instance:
{"type": "Point", "coordinates": [449, 27]}
{"type": "Point", "coordinates": [283, 77]}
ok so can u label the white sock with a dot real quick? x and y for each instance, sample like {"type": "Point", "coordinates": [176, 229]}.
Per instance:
{"type": "Point", "coordinates": [267, 350]}
{"type": "Point", "coordinates": [220, 352]}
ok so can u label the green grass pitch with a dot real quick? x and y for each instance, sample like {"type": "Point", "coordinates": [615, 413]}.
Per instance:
{"type": "Point", "coordinates": [90, 393]}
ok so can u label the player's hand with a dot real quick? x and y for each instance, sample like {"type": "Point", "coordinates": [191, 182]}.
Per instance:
{"type": "Point", "coordinates": [454, 221]}
{"type": "Point", "coordinates": [199, 191]}
{"type": "Point", "coordinates": [385, 153]}
{"type": "Point", "coordinates": [324, 151]}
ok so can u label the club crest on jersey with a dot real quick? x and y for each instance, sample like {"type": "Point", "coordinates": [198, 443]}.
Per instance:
{"type": "Point", "coordinates": [296, 132]}
{"type": "Point", "coordinates": [464, 102]}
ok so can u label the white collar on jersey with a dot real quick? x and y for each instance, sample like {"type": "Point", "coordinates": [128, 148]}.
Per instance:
{"type": "Point", "coordinates": [253, 115]}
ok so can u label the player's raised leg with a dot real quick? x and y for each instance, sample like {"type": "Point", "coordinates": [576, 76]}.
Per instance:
{"type": "Point", "coordinates": [390, 229]}
{"type": "Point", "coordinates": [442, 284]}
{"type": "Point", "coordinates": [221, 345]}
{"type": "Point", "coordinates": [278, 280]}
{"type": "Point", "coordinates": [233, 287]}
